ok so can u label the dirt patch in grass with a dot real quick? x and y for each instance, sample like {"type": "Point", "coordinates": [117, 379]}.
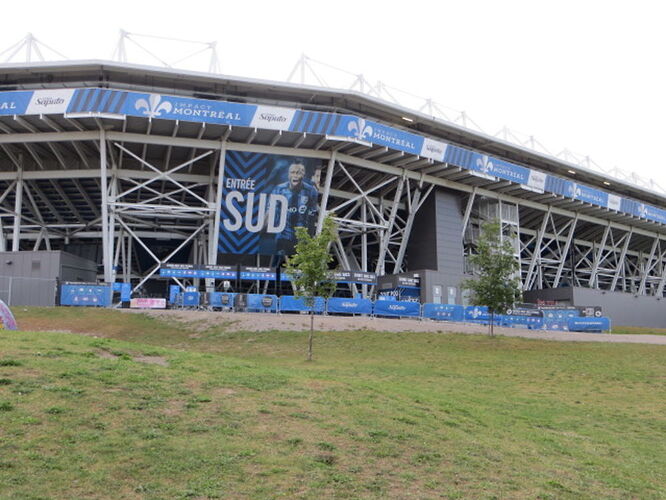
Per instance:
{"type": "Point", "coordinates": [152, 360]}
{"type": "Point", "coordinates": [106, 355]}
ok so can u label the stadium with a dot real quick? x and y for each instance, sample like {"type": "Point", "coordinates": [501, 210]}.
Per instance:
{"type": "Point", "coordinates": [142, 170]}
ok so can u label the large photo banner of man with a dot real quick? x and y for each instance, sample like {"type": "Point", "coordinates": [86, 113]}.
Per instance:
{"type": "Point", "coordinates": [265, 198]}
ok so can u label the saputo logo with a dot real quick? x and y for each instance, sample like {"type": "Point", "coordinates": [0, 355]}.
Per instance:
{"type": "Point", "coordinates": [49, 101]}
{"type": "Point", "coordinates": [273, 117]}
{"type": "Point", "coordinates": [395, 307]}
{"type": "Point", "coordinates": [349, 305]}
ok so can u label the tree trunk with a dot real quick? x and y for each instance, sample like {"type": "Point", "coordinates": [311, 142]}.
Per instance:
{"type": "Point", "coordinates": [311, 335]}
{"type": "Point", "coordinates": [492, 323]}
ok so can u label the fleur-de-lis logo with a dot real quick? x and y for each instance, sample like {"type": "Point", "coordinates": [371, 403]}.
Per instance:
{"type": "Point", "coordinates": [484, 164]}
{"type": "Point", "coordinates": [642, 210]}
{"type": "Point", "coordinates": [153, 106]}
{"type": "Point", "coordinates": [574, 190]}
{"type": "Point", "coordinates": [360, 129]}
{"type": "Point", "coordinates": [476, 312]}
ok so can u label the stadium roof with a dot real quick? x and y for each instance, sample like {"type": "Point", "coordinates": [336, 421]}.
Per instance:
{"type": "Point", "coordinates": [211, 86]}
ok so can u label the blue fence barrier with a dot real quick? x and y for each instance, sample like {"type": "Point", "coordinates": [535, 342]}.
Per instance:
{"type": "Point", "coordinates": [337, 305]}
{"type": "Point", "coordinates": [191, 299]}
{"type": "Point", "coordinates": [221, 300]}
{"type": "Point", "coordinates": [477, 314]}
{"type": "Point", "coordinates": [520, 321]}
{"type": "Point", "coordinates": [84, 294]}
{"type": "Point", "coordinates": [444, 312]}
{"type": "Point", "coordinates": [257, 302]}
{"type": "Point", "coordinates": [589, 324]}
{"type": "Point", "coordinates": [290, 303]}
{"type": "Point", "coordinates": [397, 308]}
{"type": "Point", "coordinates": [125, 290]}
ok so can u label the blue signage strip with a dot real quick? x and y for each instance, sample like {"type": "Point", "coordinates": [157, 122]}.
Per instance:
{"type": "Point", "coordinates": [192, 271]}
{"type": "Point", "coordinates": [349, 306]}
{"type": "Point", "coordinates": [168, 107]}
{"type": "Point", "coordinates": [258, 273]}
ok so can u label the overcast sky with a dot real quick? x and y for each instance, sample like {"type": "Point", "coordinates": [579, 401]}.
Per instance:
{"type": "Point", "coordinates": [589, 76]}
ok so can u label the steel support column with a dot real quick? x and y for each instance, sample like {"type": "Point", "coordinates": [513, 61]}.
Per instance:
{"type": "Point", "coordinates": [18, 205]}
{"type": "Point", "coordinates": [325, 194]}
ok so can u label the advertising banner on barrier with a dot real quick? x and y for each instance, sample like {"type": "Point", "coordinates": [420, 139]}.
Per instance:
{"type": "Point", "coordinates": [589, 324]}
{"type": "Point", "coordinates": [148, 304]}
{"type": "Point", "coordinates": [444, 312]}
{"type": "Point", "coordinates": [262, 303]}
{"type": "Point", "coordinates": [290, 303]}
{"type": "Point", "coordinates": [477, 314]}
{"type": "Point", "coordinates": [349, 306]}
{"type": "Point", "coordinates": [264, 199]}
{"type": "Point", "coordinates": [221, 299]}
{"type": "Point", "coordinates": [397, 308]}
{"type": "Point", "coordinates": [85, 294]}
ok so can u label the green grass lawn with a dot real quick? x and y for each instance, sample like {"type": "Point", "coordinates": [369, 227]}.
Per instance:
{"type": "Point", "coordinates": [376, 415]}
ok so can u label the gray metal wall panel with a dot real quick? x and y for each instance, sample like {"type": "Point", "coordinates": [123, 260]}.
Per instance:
{"type": "Point", "coordinates": [422, 246]}
{"type": "Point", "coordinates": [624, 309]}
{"type": "Point", "coordinates": [32, 292]}
{"type": "Point", "coordinates": [563, 295]}
{"type": "Point", "coordinates": [449, 232]}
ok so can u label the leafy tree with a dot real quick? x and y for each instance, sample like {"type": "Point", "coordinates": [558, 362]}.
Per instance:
{"type": "Point", "coordinates": [309, 270]}
{"type": "Point", "coordinates": [495, 265]}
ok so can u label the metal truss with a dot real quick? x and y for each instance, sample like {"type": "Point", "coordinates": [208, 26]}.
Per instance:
{"type": "Point", "coordinates": [137, 193]}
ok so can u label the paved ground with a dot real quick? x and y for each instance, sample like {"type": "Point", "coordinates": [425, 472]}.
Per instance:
{"type": "Point", "coordinates": [297, 322]}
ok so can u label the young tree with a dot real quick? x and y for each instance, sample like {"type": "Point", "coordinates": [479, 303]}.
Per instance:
{"type": "Point", "coordinates": [494, 264]}
{"type": "Point", "coordinates": [309, 270]}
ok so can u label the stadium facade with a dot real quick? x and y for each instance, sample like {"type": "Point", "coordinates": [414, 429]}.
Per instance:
{"type": "Point", "coordinates": [136, 167]}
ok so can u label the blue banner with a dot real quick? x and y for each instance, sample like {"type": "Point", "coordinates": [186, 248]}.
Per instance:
{"type": "Point", "coordinates": [85, 295]}
{"type": "Point", "coordinates": [264, 199]}
{"type": "Point", "coordinates": [589, 324]}
{"type": "Point", "coordinates": [290, 303]}
{"type": "Point", "coordinates": [91, 101]}
{"type": "Point", "coordinates": [397, 308]}
{"type": "Point", "coordinates": [338, 305]}
{"type": "Point", "coordinates": [444, 312]}
{"type": "Point", "coordinates": [14, 103]}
